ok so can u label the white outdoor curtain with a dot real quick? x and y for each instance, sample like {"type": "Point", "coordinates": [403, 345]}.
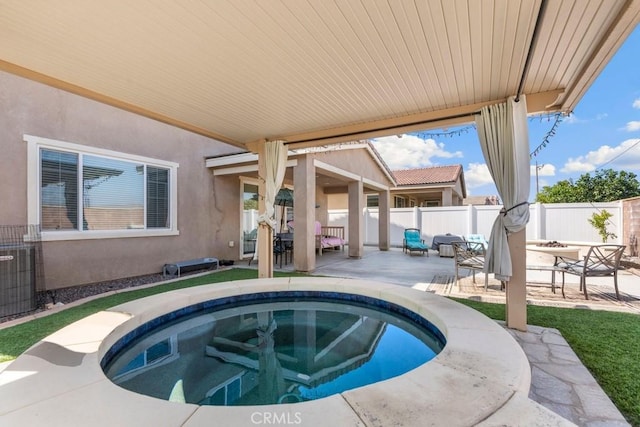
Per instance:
{"type": "Point", "coordinates": [275, 157]}
{"type": "Point", "coordinates": [503, 133]}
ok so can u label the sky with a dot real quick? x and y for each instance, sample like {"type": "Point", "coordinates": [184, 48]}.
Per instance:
{"type": "Point", "coordinates": [603, 132]}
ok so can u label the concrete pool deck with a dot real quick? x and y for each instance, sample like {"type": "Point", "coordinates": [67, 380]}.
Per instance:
{"type": "Point", "coordinates": [482, 377]}
{"type": "Point", "coordinates": [559, 380]}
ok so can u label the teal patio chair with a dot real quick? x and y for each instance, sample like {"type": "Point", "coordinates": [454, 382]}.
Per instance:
{"type": "Point", "coordinates": [413, 242]}
{"type": "Point", "coordinates": [478, 238]}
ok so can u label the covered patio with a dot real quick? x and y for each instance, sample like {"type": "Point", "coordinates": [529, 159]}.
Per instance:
{"type": "Point", "coordinates": [316, 73]}
{"type": "Point", "coordinates": [436, 275]}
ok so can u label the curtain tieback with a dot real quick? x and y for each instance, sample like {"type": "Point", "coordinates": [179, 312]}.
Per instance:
{"type": "Point", "coordinates": [504, 211]}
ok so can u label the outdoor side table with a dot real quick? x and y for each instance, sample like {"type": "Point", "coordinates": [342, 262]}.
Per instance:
{"type": "Point", "coordinates": [445, 251]}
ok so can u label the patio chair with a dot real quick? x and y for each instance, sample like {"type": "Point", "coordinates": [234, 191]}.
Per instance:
{"type": "Point", "coordinates": [600, 261]}
{"type": "Point", "coordinates": [413, 242]}
{"type": "Point", "coordinates": [470, 256]}
{"type": "Point", "coordinates": [282, 249]}
{"type": "Point", "coordinates": [479, 238]}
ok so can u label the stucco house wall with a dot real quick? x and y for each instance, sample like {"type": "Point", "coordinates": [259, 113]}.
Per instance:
{"type": "Point", "coordinates": [356, 161]}
{"type": "Point", "coordinates": [30, 108]}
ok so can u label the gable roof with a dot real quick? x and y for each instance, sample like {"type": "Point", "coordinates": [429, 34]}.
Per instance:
{"type": "Point", "coordinates": [426, 176]}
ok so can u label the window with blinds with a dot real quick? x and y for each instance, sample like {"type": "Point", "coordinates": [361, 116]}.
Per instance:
{"type": "Point", "coordinates": [58, 190]}
{"type": "Point", "coordinates": [372, 201]}
{"type": "Point", "coordinates": [87, 192]}
{"type": "Point", "coordinates": [157, 197]}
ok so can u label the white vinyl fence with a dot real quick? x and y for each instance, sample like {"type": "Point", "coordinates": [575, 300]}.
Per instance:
{"type": "Point", "coordinates": [563, 222]}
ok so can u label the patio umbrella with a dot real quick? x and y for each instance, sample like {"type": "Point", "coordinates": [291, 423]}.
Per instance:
{"type": "Point", "coordinates": [502, 130]}
{"type": "Point", "coordinates": [284, 198]}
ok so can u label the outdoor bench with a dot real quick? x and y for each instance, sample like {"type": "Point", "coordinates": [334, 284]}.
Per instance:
{"type": "Point", "coordinates": [176, 268]}
{"type": "Point", "coordinates": [329, 236]}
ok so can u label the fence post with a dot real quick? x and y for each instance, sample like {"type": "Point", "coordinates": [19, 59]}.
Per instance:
{"type": "Point", "coordinates": [539, 228]}
{"type": "Point", "coordinates": [620, 227]}
{"type": "Point", "coordinates": [472, 222]}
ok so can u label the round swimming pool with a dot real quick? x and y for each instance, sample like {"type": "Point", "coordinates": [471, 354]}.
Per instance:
{"type": "Point", "coordinates": [481, 361]}
{"type": "Point", "coordinates": [271, 348]}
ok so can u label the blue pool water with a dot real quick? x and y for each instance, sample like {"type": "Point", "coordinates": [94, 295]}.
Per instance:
{"type": "Point", "coordinates": [269, 348]}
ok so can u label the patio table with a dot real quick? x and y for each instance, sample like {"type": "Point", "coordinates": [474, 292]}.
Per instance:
{"type": "Point", "coordinates": [567, 251]}
{"type": "Point", "coordinates": [572, 252]}
{"type": "Point", "coordinates": [444, 239]}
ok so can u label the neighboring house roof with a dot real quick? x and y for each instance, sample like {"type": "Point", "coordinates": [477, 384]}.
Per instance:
{"type": "Point", "coordinates": [481, 200]}
{"type": "Point", "coordinates": [432, 177]}
{"type": "Point", "coordinates": [426, 176]}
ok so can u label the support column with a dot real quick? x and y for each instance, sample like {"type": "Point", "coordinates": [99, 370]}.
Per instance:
{"type": "Point", "coordinates": [447, 197]}
{"type": "Point", "coordinates": [356, 226]}
{"type": "Point", "coordinates": [516, 288]}
{"type": "Point", "coordinates": [265, 234]}
{"type": "Point", "coordinates": [304, 214]}
{"type": "Point", "coordinates": [384, 220]}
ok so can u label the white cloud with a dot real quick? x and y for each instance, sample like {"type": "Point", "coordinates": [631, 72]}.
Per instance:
{"type": "Point", "coordinates": [636, 103]}
{"type": "Point", "coordinates": [577, 165]}
{"type": "Point", "coordinates": [626, 155]}
{"type": "Point", "coordinates": [543, 183]}
{"type": "Point", "coordinates": [411, 151]}
{"type": "Point", "coordinates": [573, 119]}
{"type": "Point", "coordinates": [633, 126]}
{"type": "Point", "coordinates": [544, 170]}
{"type": "Point", "coordinates": [477, 174]}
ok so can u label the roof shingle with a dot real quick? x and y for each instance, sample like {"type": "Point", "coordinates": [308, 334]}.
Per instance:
{"type": "Point", "coordinates": [432, 175]}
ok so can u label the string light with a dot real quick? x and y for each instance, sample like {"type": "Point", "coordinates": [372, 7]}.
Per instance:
{"type": "Point", "coordinates": [444, 134]}
{"type": "Point", "coordinates": [557, 117]}
{"type": "Point", "coordinates": [557, 120]}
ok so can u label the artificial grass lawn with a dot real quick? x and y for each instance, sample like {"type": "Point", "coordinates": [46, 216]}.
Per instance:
{"type": "Point", "coordinates": [17, 339]}
{"type": "Point", "coordinates": [608, 343]}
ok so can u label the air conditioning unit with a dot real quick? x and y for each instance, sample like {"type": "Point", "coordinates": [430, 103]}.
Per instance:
{"type": "Point", "coordinates": [17, 279]}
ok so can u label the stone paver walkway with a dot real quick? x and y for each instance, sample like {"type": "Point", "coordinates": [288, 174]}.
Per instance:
{"type": "Point", "coordinates": [561, 383]}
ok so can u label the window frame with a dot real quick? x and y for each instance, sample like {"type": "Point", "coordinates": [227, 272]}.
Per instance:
{"type": "Point", "coordinates": [244, 180]}
{"type": "Point", "coordinates": [397, 199]}
{"type": "Point", "coordinates": [36, 143]}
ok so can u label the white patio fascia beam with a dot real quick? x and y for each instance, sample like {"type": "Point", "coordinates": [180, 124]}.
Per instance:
{"type": "Point", "coordinates": [245, 168]}
{"type": "Point", "coordinates": [235, 159]}
{"type": "Point", "coordinates": [232, 159]}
